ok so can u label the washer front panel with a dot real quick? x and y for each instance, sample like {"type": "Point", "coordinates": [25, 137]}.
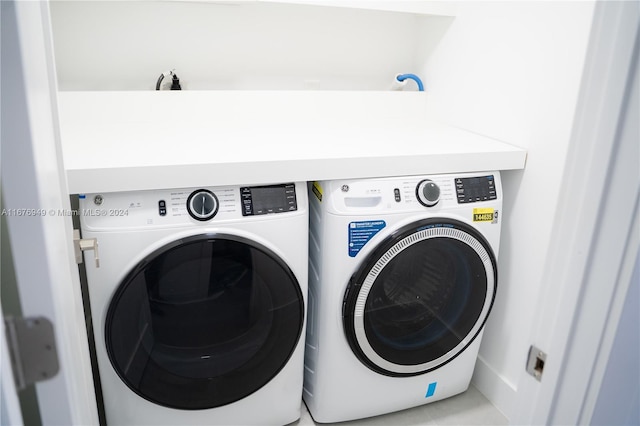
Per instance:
{"type": "Point", "coordinates": [204, 321]}
{"type": "Point", "coordinates": [421, 298]}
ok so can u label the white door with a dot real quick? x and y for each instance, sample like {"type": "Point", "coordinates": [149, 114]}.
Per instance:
{"type": "Point", "coordinates": [596, 235]}
{"type": "Point", "coordinates": [9, 405]}
{"type": "Point", "coordinates": [34, 190]}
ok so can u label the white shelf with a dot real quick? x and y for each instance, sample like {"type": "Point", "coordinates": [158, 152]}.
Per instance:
{"type": "Point", "coordinates": [119, 141]}
{"type": "Point", "coordinates": [420, 7]}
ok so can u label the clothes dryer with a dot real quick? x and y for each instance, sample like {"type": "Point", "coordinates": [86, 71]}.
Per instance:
{"type": "Point", "coordinates": [403, 276]}
{"type": "Point", "coordinates": [198, 303]}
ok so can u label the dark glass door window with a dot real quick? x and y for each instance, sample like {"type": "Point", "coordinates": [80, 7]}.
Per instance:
{"type": "Point", "coordinates": [204, 321]}
{"type": "Point", "coordinates": [420, 298]}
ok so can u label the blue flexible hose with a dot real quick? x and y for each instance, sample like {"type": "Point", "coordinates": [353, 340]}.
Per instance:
{"type": "Point", "coordinates": [413, 77]}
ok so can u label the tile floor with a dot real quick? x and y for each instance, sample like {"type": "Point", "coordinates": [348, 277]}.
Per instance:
{"type": "Point", "coordinates": [468, 408]}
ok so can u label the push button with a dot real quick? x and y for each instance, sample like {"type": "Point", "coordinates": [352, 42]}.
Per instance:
{"type": "Point", "coordinates": [162, 208]}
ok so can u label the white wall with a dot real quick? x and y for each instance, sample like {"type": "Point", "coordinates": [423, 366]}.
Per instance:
{"type": "Point", "coordinates": [125, 45]}
{"type": "Point", "coordinates": [511, 70]}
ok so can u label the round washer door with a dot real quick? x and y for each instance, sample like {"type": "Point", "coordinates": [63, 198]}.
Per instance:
{"type": "Point", "coordinates": [204, 321]}
{"type": "Point", "coordinates": [420, 298]}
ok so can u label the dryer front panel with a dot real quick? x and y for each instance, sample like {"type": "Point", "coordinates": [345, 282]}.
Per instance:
{"type": "Point", "coordinates": [420, 298]}
{"type": "Point", "coordinates": [204, 321]}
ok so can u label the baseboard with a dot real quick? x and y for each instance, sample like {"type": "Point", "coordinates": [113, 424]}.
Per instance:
{"type": "Point", "coordinates": [494, 387]}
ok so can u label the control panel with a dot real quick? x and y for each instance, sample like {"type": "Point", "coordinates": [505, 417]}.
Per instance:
{"type": "Point", "coordinates": [187, 206]}
{"type": "Point", "coordinates": [412, 193]}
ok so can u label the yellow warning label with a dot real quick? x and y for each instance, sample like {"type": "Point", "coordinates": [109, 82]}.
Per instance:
{"type": "Point", "coordinates": [317, 190]}
{"type": "Point", "coordinates": [483, 215]}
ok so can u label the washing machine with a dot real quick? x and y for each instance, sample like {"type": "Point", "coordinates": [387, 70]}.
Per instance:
{"type": "Point", "coordinates": [402, 277]}
{"type": "Point", "coordinates": [198, 299]}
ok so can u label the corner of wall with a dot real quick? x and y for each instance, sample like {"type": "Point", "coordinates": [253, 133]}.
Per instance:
{"type": "Point", "coordinates": [495, 387]}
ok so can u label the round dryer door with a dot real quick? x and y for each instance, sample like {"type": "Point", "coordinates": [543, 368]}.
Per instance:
{"type": "Point", "coordinates": [420, 298]}
{"type": "Point", "coordinates": [204, 322]}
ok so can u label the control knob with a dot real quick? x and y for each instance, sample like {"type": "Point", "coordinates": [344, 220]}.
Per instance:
{"type": "Point", "coordinates": [202, 204]}
{"type": "Point", "coordinates": [428, 193]}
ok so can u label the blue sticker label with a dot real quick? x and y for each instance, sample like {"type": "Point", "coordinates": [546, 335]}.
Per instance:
{"type": "Point", "coordinates": [431, 389]}
{"type": "Point", "coordinates": [361, 232]}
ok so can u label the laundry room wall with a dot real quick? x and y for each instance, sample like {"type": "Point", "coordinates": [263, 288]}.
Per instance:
{"type": "Point", "coordinates": [511, 71]}
{"type": "Point", "coordinates": [125, 45]}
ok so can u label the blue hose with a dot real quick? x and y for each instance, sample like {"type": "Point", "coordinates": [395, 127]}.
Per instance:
{"type": "Point", "coordinates": [413, 77]}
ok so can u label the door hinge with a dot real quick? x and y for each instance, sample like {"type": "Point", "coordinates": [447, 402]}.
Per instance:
{"type": "Point", "coordinates": [84, 244]}
{"type": "Point", "coordinates": [535, 362]}
{"type": "Point", "coordinates": [32, 349]}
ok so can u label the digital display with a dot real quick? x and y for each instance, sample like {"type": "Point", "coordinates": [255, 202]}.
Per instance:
{"type": "Point", "coordinates": [259, 200]}
{"type": "Point", "coordinates": [474, 189]}
{"type": "Point", "coordinates": [268, 199]}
